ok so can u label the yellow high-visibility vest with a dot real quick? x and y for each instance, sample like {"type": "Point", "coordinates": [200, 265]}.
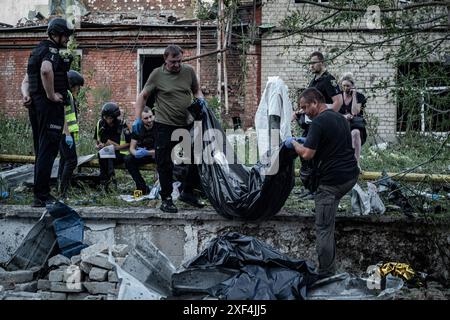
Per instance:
{"type": "Point", "coordinates": [71, 118]}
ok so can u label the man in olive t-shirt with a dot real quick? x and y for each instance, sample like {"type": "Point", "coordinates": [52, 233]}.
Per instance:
{"type": "Point", "coordinates": [174, 85]}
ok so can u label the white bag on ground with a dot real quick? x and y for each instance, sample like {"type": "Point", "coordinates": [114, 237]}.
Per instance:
{"type": "Point", "coordinates": [376, 204]}
{"type": "Point", "coordinates": [364, 203]}
{"type": "Point", "coordinates": [360, 201]}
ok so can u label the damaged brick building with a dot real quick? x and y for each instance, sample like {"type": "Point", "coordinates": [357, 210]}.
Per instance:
{"type": "Point", "coordinates": [121, 41]}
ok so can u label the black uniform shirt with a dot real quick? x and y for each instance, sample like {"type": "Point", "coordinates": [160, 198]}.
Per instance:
{"type": "Point", "coordinates": [327, 85]}
{"type": "Point", "coordinates": [145, 138]}
{"type": "Point", "coordinates": [47, 50]}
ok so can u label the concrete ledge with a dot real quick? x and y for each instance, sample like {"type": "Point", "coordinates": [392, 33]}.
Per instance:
{"type": "Point", "coordinates": [361, 240]}
{"type": "Point", "coordinates": [140, 213]}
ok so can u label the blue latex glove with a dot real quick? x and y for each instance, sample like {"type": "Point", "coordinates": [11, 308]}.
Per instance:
{"type": "Point", "coordinates": [288, 141]}
{"type": "Point", "coordinates": [141, 152]}
{"type": "Point", "coordinates": [202, 102]}
{"type": "Point", "coordinates": [137, 125]}
{"type": "Point", "coordinates": [69, 141]}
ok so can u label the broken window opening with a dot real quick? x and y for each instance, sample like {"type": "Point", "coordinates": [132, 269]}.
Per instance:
{"type": "Point", "coordinates": [422, 101]}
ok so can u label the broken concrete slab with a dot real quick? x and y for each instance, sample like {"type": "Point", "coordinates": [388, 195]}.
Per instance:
{"type": "Point", "coordinates": [75, 259]}
{"type": "Point", "coordinates": [43, 284]}
{"type": "Point", "coordinates": [99, 287]}
{"type": "Point", "coordinates": [99, 260]}
{"type": "Point", "coordinates": [12, 295]}
{"type": "Point", "coordinates": [112, 277]}
{"type": "Point", "coordinates": [47, 295]}
{"type": "Point", "coordinates": [98, 274]}
{"type": "Point", "coordinates": [97, 297]}
{"type": "Point", "coordinates": [94, 249]}
{"type": "Point", "coordinates": [27, 287]}
{"type": "Point", "coordinates": [58, 260]}
{"type": "Point", "coordinates": [73, 274]}
{"type": "Point", "coordinates": [77, 296]}
{"type": "Point", "coordinates": [7, 285]}
{"type": "Point", "coordinates": [120, 250]}
{"type": "Point", "coordinates": [19, 276]}
{"type": "Point", "coordinates": [150, 266]}
{"type": "Point", "coordinates": [85, 267]}
{"type": "Point", "coordinates": [56, 276]}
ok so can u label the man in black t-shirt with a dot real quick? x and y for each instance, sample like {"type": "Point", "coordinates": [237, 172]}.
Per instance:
{"type": "Point", "coordinates": [142, 149]}
{"type": "Point", "coordinates": [327, 85]}
{"type": "Point", "coordinates": [329, 146]}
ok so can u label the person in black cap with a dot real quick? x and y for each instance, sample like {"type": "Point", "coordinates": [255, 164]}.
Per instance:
{"type": "Point", "coordinates": [67, 148]}
{"type": "Point", "coordinates": [44, 90]}
{"type": "Point", "coordinates": [111, 131]}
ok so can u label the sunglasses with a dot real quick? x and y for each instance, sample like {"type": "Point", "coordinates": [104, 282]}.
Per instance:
{"type": "Point", "coordinates": [149, 117]}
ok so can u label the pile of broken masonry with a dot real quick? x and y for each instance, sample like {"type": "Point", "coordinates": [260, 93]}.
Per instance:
{"type": "Point", "coordinates": [87, 276]}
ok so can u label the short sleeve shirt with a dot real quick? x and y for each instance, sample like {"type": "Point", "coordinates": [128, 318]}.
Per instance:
{"type": "Point", "coordinates": [327, 85]}
{"type": "Point", "coordinates": [330, 136]}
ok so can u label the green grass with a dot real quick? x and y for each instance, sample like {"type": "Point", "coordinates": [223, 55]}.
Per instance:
{"type": "Point", "coordinates": [407, 152]}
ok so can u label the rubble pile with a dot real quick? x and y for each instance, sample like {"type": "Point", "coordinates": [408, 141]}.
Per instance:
{"type": "Point", "coordinates": [87, 276]}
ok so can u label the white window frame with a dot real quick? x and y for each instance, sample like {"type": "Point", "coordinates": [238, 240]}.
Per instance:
{"type": "Point", "coordinates": [423, 106]}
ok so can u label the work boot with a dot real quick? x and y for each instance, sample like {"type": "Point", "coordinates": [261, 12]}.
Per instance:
{"type": "Point", "coordinates": [191, 199]}
{"type": "Point", "coordinates": [38, 203]}
{"type": "Point", "coordinates": [168, 206]}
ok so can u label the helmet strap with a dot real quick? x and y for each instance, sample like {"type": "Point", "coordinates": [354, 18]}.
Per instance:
{"type": "Point", "coordinates": [58, 43]}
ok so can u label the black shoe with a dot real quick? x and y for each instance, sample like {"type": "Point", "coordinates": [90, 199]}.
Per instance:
{"type": "Point", "coordinates": [168, 206]}
{"type": "Point", "coordinates": [189, 198]}
{"type": "Point", "coordinates": [38, 203]}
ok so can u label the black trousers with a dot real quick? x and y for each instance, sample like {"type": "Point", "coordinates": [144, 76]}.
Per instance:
{"type": "Point", "coordinates": [107, 167]}
{"type": "Point", "coordinates": [132, 164]}
{"type": "Point", "coordinates": [67, 163]}
{"type": "Point", "coordinates": [47, 121]}
{"type": "Point", "coordinates": [164, 163]}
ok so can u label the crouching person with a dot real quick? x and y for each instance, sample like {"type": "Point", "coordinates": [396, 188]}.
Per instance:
{"type": "Point", "coordinates": [111, 131]}
{"type": "Point", "coordinates": [142, 149]}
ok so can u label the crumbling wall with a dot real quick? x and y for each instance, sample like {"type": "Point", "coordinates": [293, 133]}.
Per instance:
{"type": "Point", "coordinates": [180, 9]}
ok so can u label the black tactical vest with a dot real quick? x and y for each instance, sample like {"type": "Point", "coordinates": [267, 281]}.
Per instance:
{"type": "Point", "coordinates": [61, 65]}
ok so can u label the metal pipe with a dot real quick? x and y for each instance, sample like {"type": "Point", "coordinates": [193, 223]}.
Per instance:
{"type": "Point", "coordinates": [12, 158]}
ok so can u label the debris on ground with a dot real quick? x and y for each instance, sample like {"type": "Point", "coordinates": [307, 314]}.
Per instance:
{"type": "Point", "coordinates": [87, 276]}
{"type": "Point", "coordinates": [365, 203]}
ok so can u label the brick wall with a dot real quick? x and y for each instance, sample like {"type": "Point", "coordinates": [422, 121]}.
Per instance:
{"type": "Point", "coordinates": [286, 59]}
{"type": "Point", "coordinates": [12, 71]}
{"type": "Point", "coordinates": [368, 71]}
{"type": "Point", "coordinates": [182, 8]}
{"type": "Point", "coordinates": [110, 71]}
{"type": "Point", "coordinates": [115, 71]}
